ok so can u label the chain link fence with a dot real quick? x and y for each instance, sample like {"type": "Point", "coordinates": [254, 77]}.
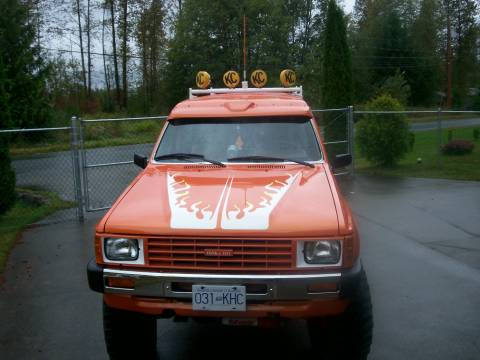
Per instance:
{"type": "Point", "coordinates": [43, 164]}
{"type": "Point", "coordinates": [337, 130]}
{"type": "Point", "coordinates": [430, 131]}
{"type": "Point", "coordinates": [107, 147]}
{"type": "Point", "coordinates": [89, 164]}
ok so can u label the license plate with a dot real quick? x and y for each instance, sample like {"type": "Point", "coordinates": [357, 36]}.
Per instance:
{"type": "Point", "coordinates": [219, 298]}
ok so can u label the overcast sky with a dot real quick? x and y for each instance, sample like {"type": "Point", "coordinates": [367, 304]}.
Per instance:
{"type": "Point", "coordinates": [349, 5]}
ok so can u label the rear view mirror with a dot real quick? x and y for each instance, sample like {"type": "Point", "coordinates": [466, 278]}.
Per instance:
{"type": "Point", "coordinates": [342, 161]}
{"type": "Point", "coordinates": [140, 160]}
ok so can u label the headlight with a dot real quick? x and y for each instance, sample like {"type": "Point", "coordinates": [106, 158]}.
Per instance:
{"type": "Point", "coordinates": [322, 252]}
{"type": "Point", "coordinates": [121, 249]}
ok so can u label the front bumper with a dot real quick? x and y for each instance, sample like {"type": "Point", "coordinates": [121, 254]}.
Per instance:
{"type": "Point", "coordinates": [259, 287]}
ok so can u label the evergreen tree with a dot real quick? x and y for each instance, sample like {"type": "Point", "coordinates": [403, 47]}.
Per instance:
{"type": "Point", "coordinates": [22, 83]}
{"type": "Point", "coordinates": [465, 62]}
{"type": "Point", "coordinates": [424, 75]}
{"type": "Point", "coordinates": [25, 71]}
{"type": "Point", "coordinates": [150, 38]}
{"type": "Point", "coordinates": [309, 64]}
{"type": "Point", "coordinates": [381, 45]}
{"type": "Point", "coordinates": [391, 47]}
{"type": "Point", "coordinates": [367, 32]}
{"type": "Point", "coordinates": [209, 36]}
{"type": "Point", "coordinates": [337, 71]}
{"type": "Point", "coordinates": [7, 176]}
{"type": "Point", "coordinates": [337, 67]}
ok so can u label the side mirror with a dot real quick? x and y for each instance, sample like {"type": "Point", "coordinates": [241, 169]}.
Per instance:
{"type": "Point", "coordinates": [140, 160]}
{"type": "Point", "coordinates": [342, 161]}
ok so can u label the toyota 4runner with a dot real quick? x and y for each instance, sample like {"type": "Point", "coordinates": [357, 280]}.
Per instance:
{"type": "Point", "coordinates": [237, 217]}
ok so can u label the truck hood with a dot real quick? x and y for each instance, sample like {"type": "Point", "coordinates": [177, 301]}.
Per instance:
{"type": "Point", "coordinates": [254, 200]}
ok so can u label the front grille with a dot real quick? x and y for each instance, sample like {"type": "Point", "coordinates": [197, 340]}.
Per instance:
{"type": "Point", "coordinates": [244, 254]}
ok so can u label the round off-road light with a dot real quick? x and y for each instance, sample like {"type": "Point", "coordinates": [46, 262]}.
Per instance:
{"type": "Point", "coordinates": [231, 79]}
{"type": "Point", "coordinates": [203, 79]}
{"type": "Point", "coordinates": [288, 77]}
{"type": "Point", "coordinates": [259, 78]}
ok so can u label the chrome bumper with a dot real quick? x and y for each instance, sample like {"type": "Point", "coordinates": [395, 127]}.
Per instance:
{"type": "Point", "coordinates": [165, 285]}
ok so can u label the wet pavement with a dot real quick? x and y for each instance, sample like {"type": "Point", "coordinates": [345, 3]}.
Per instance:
{"type": "Point", "coordinates": [420, 248]}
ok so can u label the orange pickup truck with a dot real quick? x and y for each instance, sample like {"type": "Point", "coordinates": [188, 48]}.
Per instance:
{"type": "Point", "coordinates": [236, 217]}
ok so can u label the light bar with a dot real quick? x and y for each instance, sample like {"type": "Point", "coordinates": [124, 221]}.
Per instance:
{"type": "Point", "coordinates": [293, 90]}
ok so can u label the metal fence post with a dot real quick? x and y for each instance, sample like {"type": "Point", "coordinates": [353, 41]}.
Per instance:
{"type": "Point", "coordinates": [439, 137]}
{"type": "Point", "coordinates": [351, 138]}
{"type": "Point", "coordinates": [77, 169]}
{"type": "Point", "coordinates": [83, 166]}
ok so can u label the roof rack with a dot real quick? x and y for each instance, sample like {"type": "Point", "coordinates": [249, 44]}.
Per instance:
{"type": "Point", "coordinates": [298, 90]}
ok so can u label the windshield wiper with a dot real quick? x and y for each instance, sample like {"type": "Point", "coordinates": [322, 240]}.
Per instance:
{"type": "Point", "coordinates": [269, 158]}
{"type": "Point", "coordinates": [188, 156]}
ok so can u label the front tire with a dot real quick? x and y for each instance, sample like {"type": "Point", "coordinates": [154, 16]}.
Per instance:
{"type": "Point", "coordinates": [129, 335]}
{"type": "Point", "coordinates": [348, 336]}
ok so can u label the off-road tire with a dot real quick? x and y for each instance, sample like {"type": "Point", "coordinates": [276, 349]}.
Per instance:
{"type": "Point", "coordinates": [348, 336]}
{"type": "Point", "coordinates": [129, 335]}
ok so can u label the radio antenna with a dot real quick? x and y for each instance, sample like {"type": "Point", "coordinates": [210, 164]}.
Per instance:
{"type": "Point", "coordinates": [244, 48]}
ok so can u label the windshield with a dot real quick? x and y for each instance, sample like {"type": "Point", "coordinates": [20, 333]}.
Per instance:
{"type": "Point", "coordinates": [223, 139]}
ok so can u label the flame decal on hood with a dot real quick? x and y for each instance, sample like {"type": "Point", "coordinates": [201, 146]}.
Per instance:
{"type": "Point", "coordinates": [243, 206]}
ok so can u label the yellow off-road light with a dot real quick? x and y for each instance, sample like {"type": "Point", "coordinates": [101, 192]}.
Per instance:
{"type": "Point", "coordinates": [288, 77]}
{"type": "Point", "coordinates": [231, 79]}
{"type": "Point", "coordinates": [203, 79]}
{"type": "Point", "coordinates": [258, 78]}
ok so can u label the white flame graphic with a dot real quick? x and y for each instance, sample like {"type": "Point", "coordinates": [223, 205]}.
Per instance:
{"type": "Point", "coordinates": [256, 218]}
{"type": "Point", "coordinates": [249, 217]}
{"type": "Point", "coordinates": [185, 218]}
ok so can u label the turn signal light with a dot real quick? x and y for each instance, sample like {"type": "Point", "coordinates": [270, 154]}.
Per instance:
{"type": "Point", "coordinates": [125, 283]}
{"type": "Point", "coordinates": [322, 287]}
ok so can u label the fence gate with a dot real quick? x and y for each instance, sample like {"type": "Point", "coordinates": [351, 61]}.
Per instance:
{"type": "Point", "coordinates": [107, 170]}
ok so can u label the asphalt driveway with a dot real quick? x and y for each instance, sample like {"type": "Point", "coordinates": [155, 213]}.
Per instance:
{"type": "Point", "coordinates": [421, 251]}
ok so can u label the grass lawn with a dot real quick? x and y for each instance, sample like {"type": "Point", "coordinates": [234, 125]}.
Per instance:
{"type": "Point", "coordinates": [96, 135]}
{"type": "Point", "coordinates": [23, 214]}
{"type": "Point", "coordinates": [27, 150]}
{"type": "Point", "coordinates": [415, 118]}
{"type": "Point", "coordinates": [465, 167]}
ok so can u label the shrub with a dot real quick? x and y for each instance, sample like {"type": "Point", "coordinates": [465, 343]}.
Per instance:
{"type": "Point", "coordinates": [7, 178]}
{"type": "Point", "coordinates": [383, 139]}
{"type": "Point", "coordinates": [476, 134]}
{"type": "Point", "coordinates": [458, 147]}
